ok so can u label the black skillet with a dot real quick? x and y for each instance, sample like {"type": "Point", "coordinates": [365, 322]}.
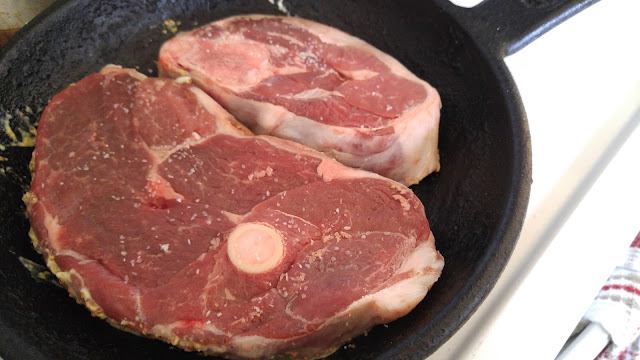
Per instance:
{"type": "Point", "coordinates": [475, 204]}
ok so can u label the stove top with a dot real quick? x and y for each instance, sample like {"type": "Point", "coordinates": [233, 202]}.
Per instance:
{"type": "Point", "coordinates": [580, 84]}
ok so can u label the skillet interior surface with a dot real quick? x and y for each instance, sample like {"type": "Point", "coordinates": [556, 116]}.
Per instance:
{"type": "Point", "coordinates": [475, 204]}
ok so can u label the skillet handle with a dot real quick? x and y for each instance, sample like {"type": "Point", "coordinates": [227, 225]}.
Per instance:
{"type": "Point", "coordinates": [506, 26]}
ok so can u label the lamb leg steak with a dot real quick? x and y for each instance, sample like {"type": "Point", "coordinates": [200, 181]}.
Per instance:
{"type": "Point", "coordinates": [163, 215]}
{"type": "Point", "coordinates": [313, 84]}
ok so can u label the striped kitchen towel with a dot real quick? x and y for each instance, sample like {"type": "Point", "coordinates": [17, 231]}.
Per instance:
{"type": "Point", "coordinates": [617, 308]}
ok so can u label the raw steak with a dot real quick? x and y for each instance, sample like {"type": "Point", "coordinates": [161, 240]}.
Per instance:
{"type": "Point", "coordinates": [307, 82]}
{"type": "Point", "coordinates": [163, 215]}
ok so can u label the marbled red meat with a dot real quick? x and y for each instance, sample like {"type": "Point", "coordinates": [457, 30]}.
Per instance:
{"type": "Point", "coordinates": [307, 82]}
{"type": "Point", "coordinates": [162, 214]}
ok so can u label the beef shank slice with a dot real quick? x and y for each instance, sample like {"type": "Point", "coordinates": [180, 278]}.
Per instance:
{"type": "Point", "coordinates": [161, 214]}
{"type": "Point", "coordinates": [316, 85]}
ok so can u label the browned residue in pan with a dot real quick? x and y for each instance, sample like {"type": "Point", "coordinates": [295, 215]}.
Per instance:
{"type": "Point", "coordinates": [19, 129]}
{"type": "Point", "coordinates": [6, 34]}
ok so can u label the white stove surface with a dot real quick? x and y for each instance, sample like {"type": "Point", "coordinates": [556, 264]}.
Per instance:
{"type": "Point", "coordinates": [580, 84]}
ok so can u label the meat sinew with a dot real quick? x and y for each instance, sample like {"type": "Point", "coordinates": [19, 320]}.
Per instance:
{"type": "Point", "coordinates": [163, 215]}
{"type": "Point", "coordinates": [316, 85]}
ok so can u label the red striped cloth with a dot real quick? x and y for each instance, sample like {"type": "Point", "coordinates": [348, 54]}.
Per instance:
{"type": "Point", "coordinates": [617, 308]}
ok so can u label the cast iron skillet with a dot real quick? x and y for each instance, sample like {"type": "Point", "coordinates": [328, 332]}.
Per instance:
{"type": "Point", "coordinates": [475, 204]}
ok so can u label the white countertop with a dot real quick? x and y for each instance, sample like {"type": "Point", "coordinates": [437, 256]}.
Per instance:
{"type": "Point", "coordinates": [15, 13]}
{"type": "Point", "coordinates": [580, 84]}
